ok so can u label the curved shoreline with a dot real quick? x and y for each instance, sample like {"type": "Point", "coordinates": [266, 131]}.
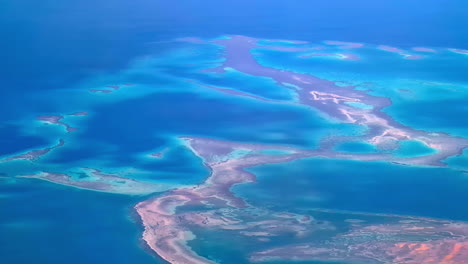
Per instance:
{"type": "Point", "coordinates": [167, 230]}
{"type": "Point", "coordinates": [168, 227]}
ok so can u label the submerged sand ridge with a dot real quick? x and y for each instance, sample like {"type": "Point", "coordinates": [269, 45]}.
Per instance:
{"type": "Point", "coordinates": [167, 231]}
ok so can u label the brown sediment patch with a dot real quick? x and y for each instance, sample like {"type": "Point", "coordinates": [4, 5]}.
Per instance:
{"type": "Point", "coordinates": [459, 51]}
{"type": "Point", "coordinates": [96, 180]}
{"type": "Point", "coordinates": [100, 91]}
{"type": "Point", "coordinates": [56, 120]}
{"type": "Point", "coordinates": [422, 49]}
{"type": "Point", "coordinates": [192, 40]}
{"type": "Point", "coordinates": [164, 236]}
{"type": "Point", "coordinates": [432, 252]}
{"type": "Point", "coordinates": [412, 57]}
{"type": "Point", "coordinates": [156, 155]}
{"type": "Point", "coordinates": [345, 45]}
{"type": "Point", "coordinates": [390, 49]}
{"type": "Point", "coordinates": [33, 154]}
{"type": "Point", "coordinates": [233, 92]}
{"type": "Point", "coordinates": [349, 56]}
{"type": "Point", "coordinates": [405, 55]}
{"type": "Point", "coordinates": [320, 96]}
{"type": "Point", "coordinates": [439, 243]}
{"type": "Point", "coordinates": [457, 247]}
{"type": "Point", "coordinates": [422, 247]}
{"type": "Point", "coordinates": [258, 233]}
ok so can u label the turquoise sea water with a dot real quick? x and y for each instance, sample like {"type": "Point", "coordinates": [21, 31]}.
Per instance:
{"type": "Point", "coordinates": [127, 125]}
{"type": "Point", "coordinates": [460, 162]}
{"type": "Point", "coordinates": [413, 148]}
{"type": "Point", "coordinates": [433, 89]}
{"type": "Point", "coordinates": [356, 147]}
{"type": "Point", "coordinates": [234, 250]}
{"type": "Point", "coordinates": [358, 186]}
{"type": "Point", "coordinates": [212, 115]}
{"type": "Point", "coordinates": [54, 52]}
{"type": "Point", "coordinates": [443, 66]}
{"type": "Point", "coordinates": [435, 115]}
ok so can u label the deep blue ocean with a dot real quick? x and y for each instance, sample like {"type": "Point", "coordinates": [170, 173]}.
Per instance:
{"type": "Point", "coordinates": [52, 47]}
{"type": "Point", "coordinates": [49, 223]}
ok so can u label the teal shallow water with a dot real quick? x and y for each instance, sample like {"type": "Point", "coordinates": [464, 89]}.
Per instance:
{"type": "Point", "coordinates": [444, 66]}
{"type": "Point", "coordinates": [237, 248]}
{"type": "Point", "coordinates": [459, 162]}
{"type": "Point", "coordinates": [427, 94]}
{"type": "Point", "coordinates": [356, 147]}
{"type": "Point", "coordinates": [376, 187]}
{"type": "Point", "coordinates": [413, 148]}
